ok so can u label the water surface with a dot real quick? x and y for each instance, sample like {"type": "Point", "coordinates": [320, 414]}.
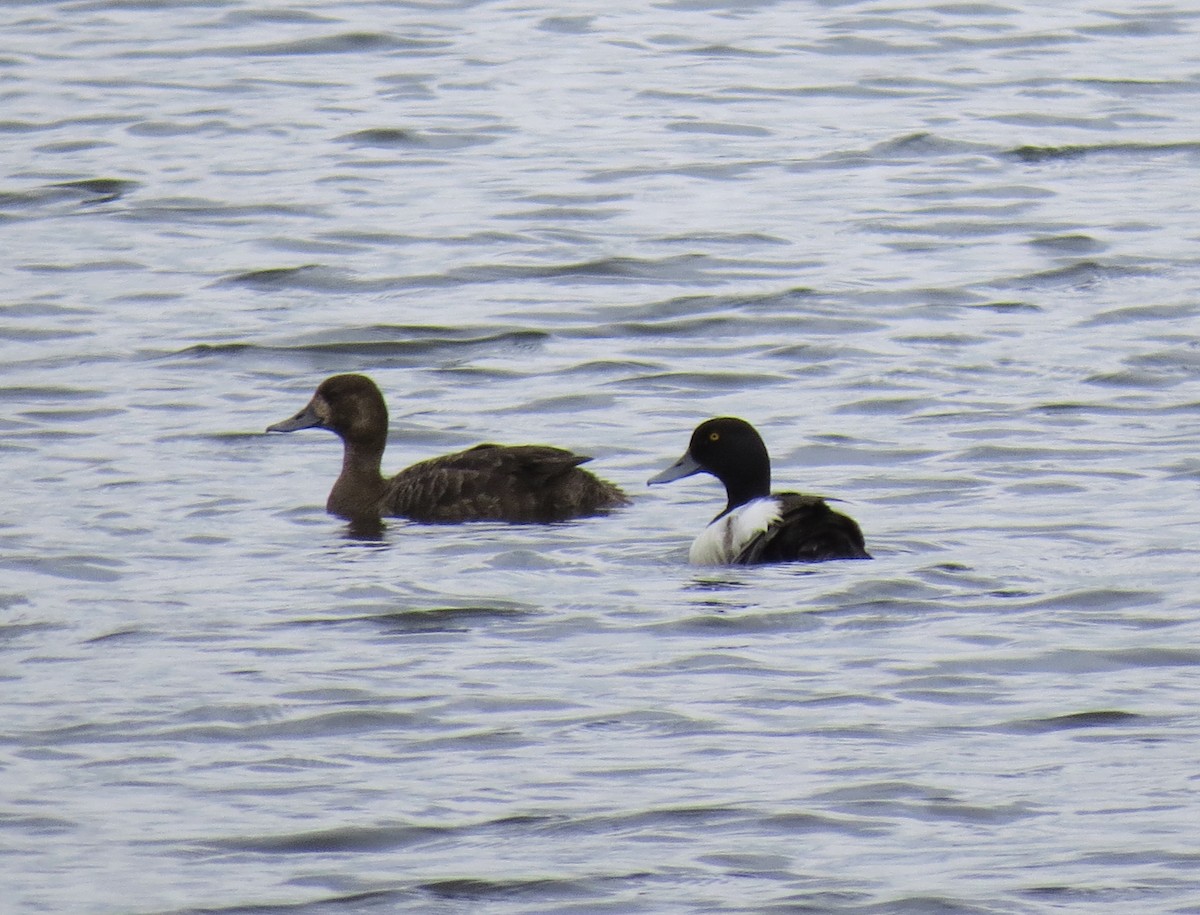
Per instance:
{"type": "Point", "coordinates": [943, 256]}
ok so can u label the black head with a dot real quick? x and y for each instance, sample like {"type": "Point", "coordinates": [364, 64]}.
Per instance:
{"type": "Point", "coordinates": [350, 405]}
{"type": "Point", "coordinates": [733, 452]}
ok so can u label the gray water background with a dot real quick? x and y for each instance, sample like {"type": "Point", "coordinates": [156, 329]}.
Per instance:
{"type": "Point", "coordinates": [944, 256]}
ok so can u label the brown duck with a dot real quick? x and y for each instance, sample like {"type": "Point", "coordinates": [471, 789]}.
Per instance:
{"type": "Point", "coordinates": [516, 483]}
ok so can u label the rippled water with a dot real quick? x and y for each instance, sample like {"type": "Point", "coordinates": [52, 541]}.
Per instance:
{"type": "Point", "coordinates": [943, 256]}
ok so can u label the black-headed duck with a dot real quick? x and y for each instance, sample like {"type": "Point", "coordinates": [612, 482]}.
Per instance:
{"type": "Point", "coordinates": [757, 525]}
{"type": "Point", "coordinates": [517, 483]}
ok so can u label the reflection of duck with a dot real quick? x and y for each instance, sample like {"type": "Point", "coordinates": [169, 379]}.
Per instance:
{"type": "Point", "coordinates": [756, 524]}
{"type": "Point", "coordinates": [519, 483]}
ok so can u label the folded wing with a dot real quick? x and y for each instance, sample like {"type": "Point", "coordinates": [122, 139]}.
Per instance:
{"type": "Point", "coordinates": [808, 530]}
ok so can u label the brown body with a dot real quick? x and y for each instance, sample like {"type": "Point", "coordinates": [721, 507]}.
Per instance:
{"type": "Point", "coordinates": [515, 483]}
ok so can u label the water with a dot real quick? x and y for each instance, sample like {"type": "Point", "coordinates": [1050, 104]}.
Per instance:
{"type": "Point", "coordinates": [943, 256]}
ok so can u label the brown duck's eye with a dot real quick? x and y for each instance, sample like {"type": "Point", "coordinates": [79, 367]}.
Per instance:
{"type": "Point", "coordinates": [714, 436]}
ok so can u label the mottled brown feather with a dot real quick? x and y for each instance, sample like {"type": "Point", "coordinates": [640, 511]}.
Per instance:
{"type": "Point", "coordinates": [515, 483]}
{"type": "Point", "coordinates": [518, 483]}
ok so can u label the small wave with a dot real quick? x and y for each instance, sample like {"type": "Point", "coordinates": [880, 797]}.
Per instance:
{"type": "Point", "coordinates": [545, 889]}
{"type": "Point", "coordinates": [1036, 154]}
{"type": "Point", "coordinates": [323, 724]}
{"type": "Point", "coordinates": [319, 278]}
{"type": "Point", "coordinates": [38, 334]}
{"type": "Point", "coordinates": [424, 621]}
{"type": "Point", "coordinates": [1134, 25]}
{"type": "Point", "coordinates": [397, 138]}
{"type": "Point", "coordinates": [1077, 721]}
{"type": "Point", "coordinates": [309, 277]}
{"type": "Point", "coordinates": [864, 89]}
{"type": "Point", "coordinates": [97, 569]}
{"type": "Point", "coordinates": [1132, 378]}
{"type": "Point", "coordinates": [342, 43]}
{"type": "Point", "coordinates": [272, 16]}
{"type": "Point", "coordinates": [665, 268]}
{"type": "Point", "coordinates": [787, 306]}
{"type": "Point", "coordinates": [164, 128]}
{"type": "Point", "coordinates": [572, 404]}
{"type": "Point", "coordinates": [1163, 312]}
{"type": "Point", "coordinates": [1078, 275]}
{"type": "Point", "coordinates": [887, 406]}
{"type": "Point", "coordinates": [717, 128]}
{"type": "Point", "coordinates": [707, 170]}
{"type": "Point", "coordinates": [382, 136]}
{"type": "Point", "coordinates": [1068, 244]}
{"type": "Point", "coordinates": [689, 383]}
{"type": "Point", "coordinates": [121, 635]}
{"type": "Point", "coordinates": [179, 210]}
{"type": "Point", "coordinates": [1138, 87]}
{"type": "Point", "coordinates": [1185, 362]}
{"type": "Point", "coordinates": [891, 798]}
{"type": "Point", "coordinates": [85, 192]}
{"type": "Point", "coordinates": [567, 25]}
{"type": "Point", "coordinates": [443, 341]}
{"type": "Point", "coordinates": [344, 839]}
{"type": "Point", "coordinates": [727, 50]}
{"type": "Point", "coordinates": [799, 824]}
{"type": "Point", "coordinates": [901, 149]}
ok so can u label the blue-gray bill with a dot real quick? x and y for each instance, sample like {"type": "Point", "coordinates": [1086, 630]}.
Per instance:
{"type": "Point", "coordinates": [305, 419]}
{"type": "Point", "coordinates": [684, 467]}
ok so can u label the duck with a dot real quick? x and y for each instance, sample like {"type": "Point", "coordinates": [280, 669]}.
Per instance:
{"type": "Point", "coordinates": [758, 526]}
{"type": "Point", "coordinates": [537, 484]}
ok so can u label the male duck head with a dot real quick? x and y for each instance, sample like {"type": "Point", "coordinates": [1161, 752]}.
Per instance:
{"type": "Point", "coordinates": [733, 452]}
{"type": "Point", "coordinates": [756, 525]}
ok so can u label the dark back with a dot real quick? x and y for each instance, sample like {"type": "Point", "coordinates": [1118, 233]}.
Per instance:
{"type": "Point", "coordinates": [808, 531]}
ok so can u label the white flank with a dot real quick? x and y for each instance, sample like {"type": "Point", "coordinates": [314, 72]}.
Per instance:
{"type": "Point", "coordinates": [720, 542]}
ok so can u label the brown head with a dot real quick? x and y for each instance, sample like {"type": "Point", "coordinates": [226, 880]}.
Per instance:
{"type": "Point", "coordinates": [351, 406]}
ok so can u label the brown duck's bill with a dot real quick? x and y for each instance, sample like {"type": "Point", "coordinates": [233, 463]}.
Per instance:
{"type": "Point", "coordinates": [684, 467]}
{"type": "Point", "coordinates": [305, 419]}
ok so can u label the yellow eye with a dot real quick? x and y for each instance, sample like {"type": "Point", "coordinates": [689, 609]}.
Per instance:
{"type": "Point", "coordinates": [714, 436]}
